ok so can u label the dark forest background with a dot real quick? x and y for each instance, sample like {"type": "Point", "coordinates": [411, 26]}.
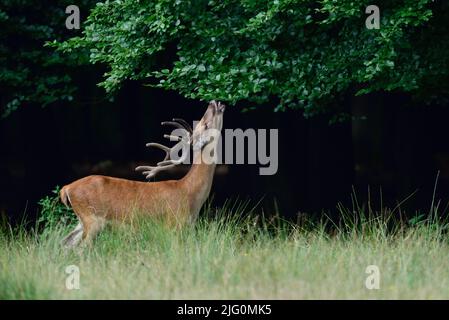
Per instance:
{"type": "Point", "coordinates": [398, 149]}
{"type": "Point", "coordinates": [391, 146]}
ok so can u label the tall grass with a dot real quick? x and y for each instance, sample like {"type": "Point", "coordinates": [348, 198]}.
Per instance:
{"type": "Point", "coordinates": [232, 255]}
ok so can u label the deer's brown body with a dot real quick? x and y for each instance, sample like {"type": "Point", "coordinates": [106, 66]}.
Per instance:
{"type": "Point", "coordinates": [98, 199]}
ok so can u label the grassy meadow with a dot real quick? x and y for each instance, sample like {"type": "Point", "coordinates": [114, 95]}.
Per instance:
{"type": "Point", "coordinates": [223, 257]}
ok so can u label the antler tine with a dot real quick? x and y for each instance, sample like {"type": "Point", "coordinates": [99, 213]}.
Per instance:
{"type": "Point", "coordinates": [182, 142]}
{"type": "Point", "coordinates": [152, 171]}
{"type": "Point", "coordinates": [148, 169]}
{"type": "Point", "coordinates": [173, 123]}
{"type": "Point", "coordinates": [179, 123]}
{"type": "Point", "coordinates": [160, 146]}
{"type": "Point", "coordinates": [172, 137]}
{"type": "Point", "coordinates": [167, 163]}
{"type": "Point", "coordinates": [185, 124]}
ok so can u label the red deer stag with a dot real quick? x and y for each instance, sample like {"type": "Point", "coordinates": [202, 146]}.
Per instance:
{"type": "Point", "coordinates": [98, 199]}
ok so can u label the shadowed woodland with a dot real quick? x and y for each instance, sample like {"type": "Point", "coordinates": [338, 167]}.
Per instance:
{"type": "Point", "coordinates": [389, 145]}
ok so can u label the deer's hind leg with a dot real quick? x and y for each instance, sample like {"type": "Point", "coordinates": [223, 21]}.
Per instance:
{"type": "Point", "coordinates": [92, 225]}
{"type": "Point", "coordinates": [74, 237]}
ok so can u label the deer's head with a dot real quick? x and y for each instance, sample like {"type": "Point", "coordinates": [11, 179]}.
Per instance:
{"type": "Point", "coordinates": [206, 131]}
{"type": "Point", "coordinates": [209, 127]}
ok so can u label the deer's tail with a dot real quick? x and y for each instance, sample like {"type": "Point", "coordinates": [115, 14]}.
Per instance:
{"type": "Point", "coordinates": [65, 198]}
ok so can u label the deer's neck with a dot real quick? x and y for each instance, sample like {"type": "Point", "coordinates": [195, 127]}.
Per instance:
{"type": "Point", "coordinates": [198, 182]}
